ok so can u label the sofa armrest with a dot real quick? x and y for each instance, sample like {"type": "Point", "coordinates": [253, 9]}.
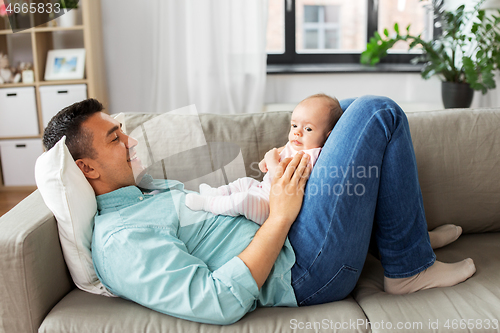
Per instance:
{"type": "Point", "coordinates": [33, 274]}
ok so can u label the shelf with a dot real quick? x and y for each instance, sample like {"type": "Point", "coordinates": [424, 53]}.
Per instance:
{"type": "Point", "coordinates": [32, 45]}
{"type": "Point", "coordinates": [15, 85]}
{"type": "Point", "coordinates": [43, 83]}
{"type": "Point", "coordinates": [42, 29]}
{"type": "Point", "coordinates": [57, 82]}
{"type": "Point", "coordinates": [9, 32]}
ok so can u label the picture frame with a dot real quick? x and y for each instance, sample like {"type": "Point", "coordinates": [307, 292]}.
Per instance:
{"type": "Point", "coordinates": [65, 64]}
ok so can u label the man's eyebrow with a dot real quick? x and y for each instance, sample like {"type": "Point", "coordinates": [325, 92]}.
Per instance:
{"type": "Point", "coordinates": [115, 128]}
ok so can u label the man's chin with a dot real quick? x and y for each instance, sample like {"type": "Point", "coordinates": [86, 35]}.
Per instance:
{"type": "Point", "coordinates": [138, 169]}
{"type": "Point", "coordinates": [139, 175]}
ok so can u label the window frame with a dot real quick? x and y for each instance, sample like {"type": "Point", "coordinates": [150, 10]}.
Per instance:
{"type": "Point", "coordinates": [321, 26]}
{"type": "Point", "coordinates": [291, 57]}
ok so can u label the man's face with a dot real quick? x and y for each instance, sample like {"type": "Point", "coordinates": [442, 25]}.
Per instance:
{"type": "Point", "coordinates": [116, 164]}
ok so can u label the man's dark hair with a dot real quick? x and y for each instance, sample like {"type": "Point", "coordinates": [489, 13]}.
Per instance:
{"type": "Point", "coordinates": [68, 122]}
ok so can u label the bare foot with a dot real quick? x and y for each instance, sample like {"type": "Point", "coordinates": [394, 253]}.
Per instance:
{"type": "Point", "coordinates": [444, 235]}
{"type": "Point", "coordinates": [438, 275]}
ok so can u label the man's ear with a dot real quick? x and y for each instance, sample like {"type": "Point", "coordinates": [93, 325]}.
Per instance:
{"type": "Point", "coordinates": [87, 169]}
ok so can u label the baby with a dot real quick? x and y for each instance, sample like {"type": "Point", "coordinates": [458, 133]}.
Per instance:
{"type": "Point", "coordinates": [312, 121]}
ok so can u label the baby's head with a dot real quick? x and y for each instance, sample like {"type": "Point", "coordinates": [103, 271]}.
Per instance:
{"type": "Point", "coordinates": [313, 120]}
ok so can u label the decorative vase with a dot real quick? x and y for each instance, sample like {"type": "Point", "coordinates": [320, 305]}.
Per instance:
{"type": "Point", "coordinates": [68, 19]}
{"type": "Point", "coordinates": [456, 95]}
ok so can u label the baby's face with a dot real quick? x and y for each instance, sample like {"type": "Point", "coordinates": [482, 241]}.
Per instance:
{"type": "Point", "coordinates": [309, 125]}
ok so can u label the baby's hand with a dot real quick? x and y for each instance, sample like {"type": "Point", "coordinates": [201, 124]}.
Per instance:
{"type": "Point", "coordinates": [272, 156]}
{"type": "Point", "coordinates": [263, 166]}
{"type": "Point", "coordinates": [272, 159]}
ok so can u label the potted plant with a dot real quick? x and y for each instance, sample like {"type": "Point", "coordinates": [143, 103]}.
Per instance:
{"type": "Point", "coordinates": [68, 19]}
{"type": "Point", "coordinates": [69, 4]}
{"type": "Point", "coordinates": [465, 54]}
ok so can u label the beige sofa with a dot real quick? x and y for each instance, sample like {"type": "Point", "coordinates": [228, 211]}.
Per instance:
{"type": "Point", "coordinates": [458, 154]}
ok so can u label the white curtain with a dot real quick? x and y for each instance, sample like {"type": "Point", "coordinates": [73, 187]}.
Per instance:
{"type": "Point", "coordinates": [211, 53]}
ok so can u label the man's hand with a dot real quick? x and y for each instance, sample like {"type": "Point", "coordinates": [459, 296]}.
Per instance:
{"type": "Point", "coordinates": [287, 193]}
{"type": "Point", "coordinates": [287, 188]}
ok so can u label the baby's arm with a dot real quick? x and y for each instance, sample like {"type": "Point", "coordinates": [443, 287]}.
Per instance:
{"type": "Point", "coordinates": [263, 165]}
{"type": "Point", "coordinates": [272, 159]}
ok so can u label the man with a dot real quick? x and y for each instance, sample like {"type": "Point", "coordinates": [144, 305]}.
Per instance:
{"type": "Point", "coordinates": [150, 248]}
{"type": "Point", "coordinates": [106, 157]}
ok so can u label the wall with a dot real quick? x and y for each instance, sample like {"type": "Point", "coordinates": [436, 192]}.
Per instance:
{"type": "Point", "coordinates": [128, 46]}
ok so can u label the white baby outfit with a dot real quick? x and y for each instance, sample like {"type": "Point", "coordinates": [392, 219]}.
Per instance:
{"type": "Point", "coordinates": [245, 196]}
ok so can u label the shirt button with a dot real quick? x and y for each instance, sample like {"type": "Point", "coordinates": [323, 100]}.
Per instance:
{"type": "Point", "coordinates": [141, 198]}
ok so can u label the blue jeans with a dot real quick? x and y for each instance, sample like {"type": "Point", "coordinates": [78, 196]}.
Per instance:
{"type": "Point", "coordinates": [364, 180]}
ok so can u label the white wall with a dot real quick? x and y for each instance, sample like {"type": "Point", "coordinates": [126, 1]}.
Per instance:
{"type": "Point", "coordinates": [128, 49]}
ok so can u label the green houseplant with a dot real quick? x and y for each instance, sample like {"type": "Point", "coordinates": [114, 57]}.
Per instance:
{"type": "Point", "coordinates": [69, 4]}
{"type": "Point", "coordinates": [69, 16]}
{"type": "Point", "coordinates": [465, 55]}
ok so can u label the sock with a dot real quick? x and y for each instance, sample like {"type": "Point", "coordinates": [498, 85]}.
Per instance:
{"type": "Point", "coordinates": [438, 275]}
{"type": "Point", "coordinates": [210, 191]}
{"type": "Point", "coordinates": [444, 235]}
{"type": "Point", "coordinates": [206, 189]}
{"type": "Point", "coordinates": [195, 201]}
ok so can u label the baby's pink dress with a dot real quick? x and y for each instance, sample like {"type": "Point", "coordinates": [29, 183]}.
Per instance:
{"type": "Point", "coordinates": [249, 197]}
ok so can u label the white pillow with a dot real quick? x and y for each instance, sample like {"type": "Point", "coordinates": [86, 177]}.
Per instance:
{"type": "Point", "coordinates": [69, 196]}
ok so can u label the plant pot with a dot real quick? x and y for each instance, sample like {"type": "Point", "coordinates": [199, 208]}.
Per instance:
{"type": "Point", "coordinates": [456, 95]}
{"type": "Point", "coordinates": [68, 19]}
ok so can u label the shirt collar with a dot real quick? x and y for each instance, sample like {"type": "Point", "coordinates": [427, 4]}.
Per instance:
{"type": "Point", "coordinates": [129, 195]}
{"type": "Point", "coordinates": [124, 196]}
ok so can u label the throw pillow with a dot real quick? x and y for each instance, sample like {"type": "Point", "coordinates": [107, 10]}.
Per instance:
{"type": "Point", "coordinates": [71, 199]}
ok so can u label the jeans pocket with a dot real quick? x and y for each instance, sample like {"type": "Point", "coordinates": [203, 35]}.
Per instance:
{"type": "Point", "coordinates": [337, 288]}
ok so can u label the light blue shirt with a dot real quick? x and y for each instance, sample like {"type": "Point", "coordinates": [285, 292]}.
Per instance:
{"type": "Point", "coordinates": [155, 251]}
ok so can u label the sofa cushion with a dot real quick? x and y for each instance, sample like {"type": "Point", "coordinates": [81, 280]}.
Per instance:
{"type": "Point", "coordinates": [477, 299]}
{"type": "Point", "coordinates": [214, 149]}
{"type": "Point", "coordinates": [82, 312]}
{"type": "Point", "coordinates": [457, 157]}
{"type": "Point", "coordinates": [457, 151]}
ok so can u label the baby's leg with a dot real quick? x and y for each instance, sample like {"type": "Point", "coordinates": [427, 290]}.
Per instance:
{"type": "Point", "coordinates": [253, 207]}
{"type": "Point", "coordinates": [239, 185]}
{"type": "Point", "coordinates": [207, 190]}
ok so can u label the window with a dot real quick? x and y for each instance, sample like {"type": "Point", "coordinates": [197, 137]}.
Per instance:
{"type": "Point", "coordinates": [320, 28]}
{"type": "Point", "coordinates": [336, 31]}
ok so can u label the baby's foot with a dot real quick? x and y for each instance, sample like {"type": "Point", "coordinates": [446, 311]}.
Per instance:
{"type": "Point", "coordinates": [444, 235]}
{"type": "Point", "coordinates": [194, 201]}
{"type": "Point", "coordinates": [208, 190]}
{"type": "Point", "coordinates": [438, 275]}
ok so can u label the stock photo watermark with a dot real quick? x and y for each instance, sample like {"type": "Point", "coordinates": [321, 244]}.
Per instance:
{"type": "Point", "coordinates": [411, 326]}
{"type": "Point", "coordinates": [347, 180]}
